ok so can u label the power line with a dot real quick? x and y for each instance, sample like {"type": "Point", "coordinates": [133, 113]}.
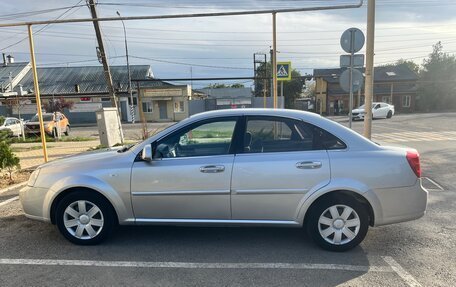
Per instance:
{"type": "Point", "coordinates": [44, 27]}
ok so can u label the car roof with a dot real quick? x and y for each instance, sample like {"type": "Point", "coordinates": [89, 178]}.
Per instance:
{"type": "Point", "coordinates": [259, 112]}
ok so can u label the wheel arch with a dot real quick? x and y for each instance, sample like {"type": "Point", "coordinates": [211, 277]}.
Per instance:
{"type": "Point", "coordinates": [75, 189]}
{"type": "Point", "coordinates": [315, 198]}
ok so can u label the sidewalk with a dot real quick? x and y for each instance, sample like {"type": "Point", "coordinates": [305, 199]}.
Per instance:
{"type": "Point", "coordinates": [34, 156]}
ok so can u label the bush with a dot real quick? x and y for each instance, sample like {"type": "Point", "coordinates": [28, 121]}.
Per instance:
{"type": "Point", "coordinates": [8, 160]}
{"type": "Point", "coordinates": [5, 135]}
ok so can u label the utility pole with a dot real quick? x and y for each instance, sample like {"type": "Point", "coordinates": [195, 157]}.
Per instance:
{"type": "Point", "coordinates": [104, 61]}
{"type": "Point", "coordinates": [130, 92]}
{"type": "Point", "coordinates": [274, 58]}
{"type": "Point", "coordinates": [369, 91]}
{"type": "Point", "coordinates": [107, 71]}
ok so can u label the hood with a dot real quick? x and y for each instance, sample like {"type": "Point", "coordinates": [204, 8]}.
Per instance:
{"type": "Point", "coordinates": [358, 111]}
{"type": "Point", "coordinates": [88, 159]}
{"type": "Point", "coordinates": [36, 123]}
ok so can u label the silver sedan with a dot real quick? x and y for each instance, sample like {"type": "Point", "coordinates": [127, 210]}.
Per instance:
{"type": "Point", "coordinates": [234, 167]}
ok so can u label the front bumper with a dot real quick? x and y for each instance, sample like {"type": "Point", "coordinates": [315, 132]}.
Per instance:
{"type": "Point", "coordinates": [33, 203]}
{"type": "Point", "coordinates": [393, 205]}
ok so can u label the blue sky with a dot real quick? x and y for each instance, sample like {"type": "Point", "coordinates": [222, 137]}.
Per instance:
{"type": "Point", "coordinates": [223, 46]}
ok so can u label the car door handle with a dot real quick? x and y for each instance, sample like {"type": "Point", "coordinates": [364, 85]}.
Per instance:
{"type": "Point", "coordinates": [212, 168]}
{"type": "Point", "coordinates": [308, 164]}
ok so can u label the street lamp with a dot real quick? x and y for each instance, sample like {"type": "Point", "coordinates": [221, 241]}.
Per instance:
{"type": "Point", "coordinates": [132, 107]}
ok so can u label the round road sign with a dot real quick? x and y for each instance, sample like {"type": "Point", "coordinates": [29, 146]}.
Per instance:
{"type": "Point", "coordinates": [352, 40]}
{"type": "Point", "coordinates": [358, 80]}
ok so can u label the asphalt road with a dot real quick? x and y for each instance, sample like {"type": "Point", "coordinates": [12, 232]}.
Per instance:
{"type": "Point", "coordinates": [417, 253]}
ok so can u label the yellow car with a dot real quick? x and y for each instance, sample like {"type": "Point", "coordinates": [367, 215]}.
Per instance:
{"type": "Point", "coordinates": [53, 124]}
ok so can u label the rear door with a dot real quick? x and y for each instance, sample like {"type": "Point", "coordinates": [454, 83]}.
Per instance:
{"type": "Point", "coordinates": [280, 162]}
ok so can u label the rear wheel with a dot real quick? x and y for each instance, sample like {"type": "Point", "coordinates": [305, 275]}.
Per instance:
{"type": "Point", "coordinates": [389, 115]}
{"type": "Point", "coordinates": [84, 218]}
{"type": "Point", "coordinates": [337, 223]}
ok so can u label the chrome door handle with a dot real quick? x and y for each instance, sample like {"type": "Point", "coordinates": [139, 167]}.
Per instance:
{"type": "Point", "coordinates": [308, 164]}
{"type": "Point", "coordinates": [212, 168]}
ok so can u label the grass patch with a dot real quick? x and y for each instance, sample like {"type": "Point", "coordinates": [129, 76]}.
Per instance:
{"type": "Point", "coordinates": [22, 149]}
{"type": "Point", "coordinates": [33, 139]}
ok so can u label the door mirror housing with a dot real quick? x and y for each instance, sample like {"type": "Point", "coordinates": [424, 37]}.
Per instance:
{"type": "Point", "coordinates": [146, 153]}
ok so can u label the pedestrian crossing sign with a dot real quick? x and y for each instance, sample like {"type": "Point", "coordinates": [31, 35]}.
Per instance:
{"type": "Point", "coordinates": [283, 71]}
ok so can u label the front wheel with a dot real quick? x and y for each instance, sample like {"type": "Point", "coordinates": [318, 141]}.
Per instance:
{"type": "Point", "coordinates": [337, 223]}
{"type": "Point", "coordinates": [67, 131]}
{"type": "Point", "coordinates": [84, 218]}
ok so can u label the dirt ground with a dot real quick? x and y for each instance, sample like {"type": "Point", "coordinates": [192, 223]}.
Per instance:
{"type": "Point", "coordinates": [18, 177]}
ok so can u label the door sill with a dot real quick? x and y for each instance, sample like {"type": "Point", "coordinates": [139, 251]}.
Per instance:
{"type": "Point", "coordinates": [215, 222]}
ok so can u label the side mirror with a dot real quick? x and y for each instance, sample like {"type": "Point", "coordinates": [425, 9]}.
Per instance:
{"type": "Point", "coordinates": [146, 154]}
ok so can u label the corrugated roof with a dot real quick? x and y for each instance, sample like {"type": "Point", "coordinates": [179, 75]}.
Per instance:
{"type": "Point", "coordinates": [14, 69]}
{"type": "Point", "coordinates": [91, 79]}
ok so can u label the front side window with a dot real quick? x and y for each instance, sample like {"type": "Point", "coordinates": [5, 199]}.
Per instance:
{"type": "Point", "coordinates": [205, 139]}
{"type": "Point", "coordinates": [286, 135]}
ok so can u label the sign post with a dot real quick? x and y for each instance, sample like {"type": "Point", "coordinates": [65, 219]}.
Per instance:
{"type": "Point", "coordinates": [283, 74]}
{"type": "Point", "coordinates": [352, 41]}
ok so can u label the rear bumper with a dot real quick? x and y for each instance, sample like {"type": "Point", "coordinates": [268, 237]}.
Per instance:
{"type": "Point", "coordinates": [395, 205]}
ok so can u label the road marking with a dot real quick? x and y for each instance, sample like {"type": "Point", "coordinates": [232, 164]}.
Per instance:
{"type": "Point", "coordinates": [407, 277]}
{"type": "Point", "coordinates": [439, 187]}
{"type": "Point", "coordinates": [196, 265]}
{"type": "Point", "coordinates": [415, 136]}
{"type": "Point", "coordinates": [9, 200]}
{"type": "Point", "coordinates": [9, 188]}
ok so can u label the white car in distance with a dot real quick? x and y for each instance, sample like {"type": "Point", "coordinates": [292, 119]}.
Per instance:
{"type": "Point", "coordinates": [12, 124]}
{"type": "Point", "coordinates": [379, 110]}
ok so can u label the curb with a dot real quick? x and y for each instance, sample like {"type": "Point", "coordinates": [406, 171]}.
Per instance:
{"type": "Point", "coordinates": [9, 188]}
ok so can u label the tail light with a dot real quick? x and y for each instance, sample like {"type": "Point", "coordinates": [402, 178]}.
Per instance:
{"type": "Point", "coordinates": [413, 158]}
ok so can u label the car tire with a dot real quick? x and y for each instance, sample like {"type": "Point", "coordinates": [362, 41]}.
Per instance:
{"type": "Point", "coordinates": [67, 131]}
{"type": "Point", "coordinates": [389, 115]}
{"type": "Point", "coordinates": [345, 231]}
{"type": "Point", "coordinates": [85, 218]}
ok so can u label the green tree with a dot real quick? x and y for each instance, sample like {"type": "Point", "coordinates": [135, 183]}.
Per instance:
{"type": "Point", "coordinates": [412, 65]}
{"type": "Point", "coordinates": [237, 85]}
{"type": "Point", "coordinates": [8, 160]}
{"type": "Point", "coordinates": [216, 86]}
{"type": "Point", "coordinates": [293, 89]}
{"type": "Point", "coordinates": [437, 89]}
{"type": "Point", "coordinates": [57, 105]}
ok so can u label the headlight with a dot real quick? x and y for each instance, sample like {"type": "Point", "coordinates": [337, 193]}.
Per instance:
{"type": "Point", "coordinates": [33, 177]}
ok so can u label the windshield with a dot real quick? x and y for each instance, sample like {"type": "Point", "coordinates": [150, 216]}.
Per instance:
{"type": "Point", "coordinates": [46, 118]}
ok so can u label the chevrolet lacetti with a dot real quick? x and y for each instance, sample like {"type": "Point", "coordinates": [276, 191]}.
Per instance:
{"type": "Point", "coordinates": [249, 167]}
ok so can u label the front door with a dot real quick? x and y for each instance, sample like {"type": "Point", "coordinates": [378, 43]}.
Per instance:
{"type": "Point", "coordinates": [281, 162]}
{"type": "Point", "coordinates": [190, 175]}
{"type": "Point", "coordinates": [163, 110]}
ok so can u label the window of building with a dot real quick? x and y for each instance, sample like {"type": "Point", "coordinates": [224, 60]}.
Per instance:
{"type": "Point", "coordinates": [179, 107]}
{"type": "Point", "coordinates": [206, 139]}
{"type": "Point", "coordinates": [147, 107]}
{"type": "Point", "coordinates": [135, 101]}
{"type": "Point", "coordinates": [105, 99]}
{"type": "Point", "coordinates": [406, 101]}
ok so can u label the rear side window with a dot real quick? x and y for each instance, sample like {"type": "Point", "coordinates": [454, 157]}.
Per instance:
{"type": "Point", "coordinates": [274, 134]}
